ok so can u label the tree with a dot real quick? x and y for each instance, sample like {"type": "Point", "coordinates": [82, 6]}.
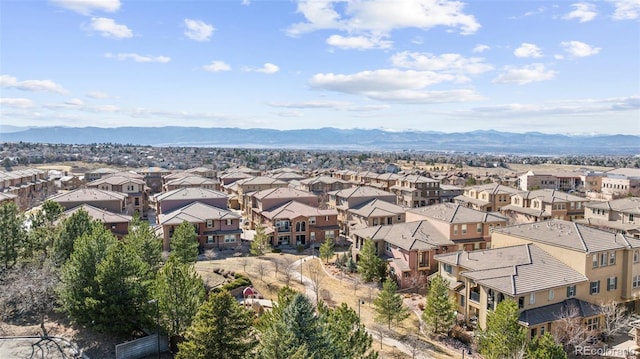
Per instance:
{"type": "Point", "coordinates": [12, 234]}
{"type": "Point", "coordinates": [184, 243]}
{"type": "Point", "coordinates": [370, 266]}
{"type": "Point", "coordinates": [327, 249]}
{"type": "Point", "coordinates": [347, 337]}
{"type": "Point", "coordinates": [221, 329]}
{"type": "Point", "coordinates": [73, 227]}
{"type": "Point", "coordinates": [389, 305]}
{"type": "Point", "coordinates": [44, 230]}
{"type": "Point", "coordinates": [440, 312]}
{"type": "Point", "coordinates": [504, 337]}
{"type": "Point", "coordinates": [545, 346]}
{"type": "Point", "coordinates": [179, 291]}
{"type": "Point", "coordinates": [260, 242]}
{"type": "Point", "coordinates": [146, 244]}
{"type": "Point", "coordinates": [570, 330]}
{"type": "Point", "coordinates": [615, 319]}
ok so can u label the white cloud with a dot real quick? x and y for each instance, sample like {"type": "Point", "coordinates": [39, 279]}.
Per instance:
{"type": "Point", "coordinates": [109, 28]}
{"type": "Point", "coordinates": [289, 114]}
{"type": "Point", "coordinates": [86, 7]}
{"type": "Point", "coordinates": [75, 102]}
{"type": "Point", "coordinates": [579, 49]}
{"type": "Point", "coordinates": [358, 42]}
{"type": "Point", "coordinates": [217, 66]}
{"type": "Point", "coordinates": [455, 63]}
{"type": "Point", "coordinates": [98, 95]}
{"type": "Point", "coordinates": [537, 11]}
{"type": "Point", "coordinates": [16, 102]}
{"type": "Point", "coordinates": [525, 75]}
{"type": "Point", "coordinates": [245, 2]}
{"type": "Point", "coordinates": [480, 48]}
{"type": "Point", "coordinates": [138, 58]}
{"type": "Point", "coordinates": [528, 50]}
{"type": "Point", "coordinates": [626, 9]}
{"type": "Point", "coordinates": [198, 30]}
{"type": "Point", "coordinates": [31, 85]}
{"type": "Point", "coordinates": [381, 17]}
{"type": "Point", "coordinates": [268, 68]}
{"type": "Point", "coordinates": [333, 105]}
{"type": "Point", "coordinates": [584, 12]}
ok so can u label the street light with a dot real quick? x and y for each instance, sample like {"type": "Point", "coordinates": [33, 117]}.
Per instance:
{"type": "Point", "coordinates": [468, 351]}
{"type": "Point", "coordinates": [360, 301]}
{"type": "Point", "coordinates": [155, 301]}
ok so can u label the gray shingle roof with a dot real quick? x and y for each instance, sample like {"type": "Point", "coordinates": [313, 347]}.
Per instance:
{"type": "Point", "coordinates": [99, 214]}
{"type": "Point", "coordinates": [196, 212]}
{"type": "Point", "coordinates": [88, 195]}
{"type": "Point", "coordinates": [418, 235]}
{"type": "Point", "coordinates": [189, 193]}
{"type": "Point", "coordinates": [377, 208]}
{"type": "Point", "coordinates": [553, 312]}
{"type": "Point", "coordinates": [630, 205]}
{"type": "Point", "coordinates": [455, 213]}
{"type": "Point", "coordinates": [293, 209]}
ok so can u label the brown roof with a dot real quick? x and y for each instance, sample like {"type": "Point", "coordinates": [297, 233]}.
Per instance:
{"type": "Point", "coordinates": [630, 205]}
{"type": "Point", "coordinates": [360, 191]}
{"type": "Point", "coordinates": [196, 212]}
{"type": "Point", "coordinates": [455, 213]}
{"type": "Point", "coordinates": [295, 209]}
{"type": "Point", "coordinates": [189, 193]}
{"type": "Point", "coordinates": [88, 195]}
{"type": "Point", "coordinates": [99, 214]}
{"type": "Point", "coordinates": [283, 192]}
{"type": "Point", "coordinates": [377, 208]}
{"type": "Point", "coordinates": [418, 235]}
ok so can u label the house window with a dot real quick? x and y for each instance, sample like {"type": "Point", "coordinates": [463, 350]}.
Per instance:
{"type": "Point", "coordinates": [312, 220]}
{"type": "Point", "coordinates": [636, 281]}
{"type": "Point", "coordinates": [520, 302]}
{"type": "Point", "coordinates": [532, 298]}
{"type": "Point", "coordinates": [542, 329]}
{"type": "Point", "coordinates": [210, 240]}
{"type": "Point", "coordinates": [462, 300]}
{"type": "Point", "coordinates": [612, 283]}
{"type": "Point", "coordinates": [129, 188]}
{"type": "Point", "coordinates": [595, 260]}
{"type": "Point", "coordinates": [209, 223]}
{"type": "Point", "coordinates": [455, 229]}
{"type": "Point", "coordinates": [593, 324]}
{"type": "Point", "coordinates": [630, 217]}
{"type": "Point", "coordinates": [479, 228]}
{"type": "Point", "coordinates": [229, 221]}
{"type": "Point", "coordinates": [463, 228]}
{"type": "Point", "coordinates": [329, 234]}
{"type": "Point", "coordinates": [399, 217]}
{"type": "Point", "coordinates": [594, 287]}
{"type": "Point", "coordinates": [551, 294]}
{"type": "Point", "coordinates": [603, 259]}
{"type": "Point", "coordinates": [447, 268]}
{"type": "Point", "coordinates": [229, 238]}
{"type": "Point", "coordinates": [636, 256]}
{"type": "Point", "coordinates": [533, 332]}
{"type": "Point", "coordinates": [612, 258]}
{"type": "Point", "coordinates": [571, 291]}
{"type": "Point", "coordinates": [387, 246]}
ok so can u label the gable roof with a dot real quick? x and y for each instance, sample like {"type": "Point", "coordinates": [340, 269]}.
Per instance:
{"type": "Point", "coordinates": [189, 193]}
{"type": "Point", "coordinates": [556, 311]}
{"type": "Point", "coordinates": [88, 195]}
{"type": "Point", "coordinates": [628, 205]}
{"type": "Point", "coordinates": [196, 212]}
{"type": "Point", "coordinates": [283, 192]}
{"type": "Point", "coordinates": [99, 214]}
{"type": "Point", "coordinates": [417, 235]}
{"type": "Point", "coordinates": [377, 208]}
{"type": "Point", "coordinates": [456, 213]}
{"type": "Point", "coordinates": [360, 191]}
{"type": "Point", "coordinates": [293, 209]}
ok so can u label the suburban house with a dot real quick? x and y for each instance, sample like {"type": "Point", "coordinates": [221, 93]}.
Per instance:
{"type": "Point", "coordinates": [348, 198]}
{"type": "Point", "coordinates": [543, 286]}
{"type": "Point", "coordinates": [408, 248]}
{"type": "Point", "coordinates": [448, 192]}
{"type": "Point", "coordinates": [111, 201]}
{"type": "Point", "coordinates": [468, 228]}
{"type": "Point", "coordinates": [70, 182]}
{"type": "Point", "coordinates": [153, 177]}
{"type": "Point", "coordinates": [169, 201]}
{"type": "Point", "coordinates": [228, 178]}
{"type": "Point", "coordinates": [321, 186]}
{"type": "Point", "coordinates": [543, 204]}
{"type": "Point", "coordinates": [618, 215]}
{"type": "Point", "coordinates": [270, 198]}
{"type": "Point", "coordinates": [487, 198]}
{"type": "Point", "coordinates": [127, 183]}
{"type": "Point", "coordinates": [375, 212]}
{"type": "Point", "coordinates": [117, 223]}
{"type": "Point", "coordinates": [241, 188]}
{"type": "Point", "coordinates": [215, 227]}
{"type": "Point", "coordinates": [620, 182]}
{"type": "Point", "coordinates": [29, 186]}
{"type": "Point", "coordinates": [99, 173]}
{"type": "Point", "coordinates": [294, 223]}
{"type": "Point", "coordinates": [191, 180]}
{"type": "Point", "coordinates": [416, 191]}
{"type": "Point", "coordinates": [202, 171]}
{"type": "Point", "coordinates": [563, 181]}
{"type": "Point", "coordinates": [286, 176]}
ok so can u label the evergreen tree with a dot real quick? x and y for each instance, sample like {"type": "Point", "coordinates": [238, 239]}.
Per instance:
{"type": "Point", "coordinates": [12, 234]}
{"type": "Point", "coordinates": [120, 303]}
{"type": "Point", "coordinates": [76, 225]}
{"type": "Point", "coordinates": [370, 266]}
{"type": "Point", "coordinates": [221, 329]}
{"type": "Point", "coordinates": [347, 337]}
{"type": "Point", "coordinates": [44, 231]}
{"type": "Point", "coordinates": [146, 244]}
{"type": "Point", "coordinates": [389, 305]}
{"type": "Point", "coordinates": [184, 243]}
{"type": "Point", "coordinates": [327, 249]}
{"type": "Point", "coordinates": [504, 337]}
{"type": "Point", "coordinates": [78, 275]}
{"type": "Point", "coordinates": [260, 242]}
{"type": "Point", "coordinates": [180, 292]}
{"type": "Point", "coordinates": [439, 312]}
{"type": "Point", "coordinates": [545, 346]}
{"type": "Point", "coordinates": [269, 318]}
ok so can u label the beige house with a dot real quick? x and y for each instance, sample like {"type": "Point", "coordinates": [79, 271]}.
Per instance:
{"type": "Point", "coordinates": [349, 198]}
{"type": "Point", "coordinates": [241, 189]}
{"type": "Point", "coordinates": [29, 186]}
{"type": "Point", "coordinates": [416, 191]}
{"type": "Point", "coordinates": [618, 215]}
{"type": "Point", "coordinates": [539, 205]}
{"type": "Point", "coordinates": [373, 213]}
{"type": "Point", "coordinates": [115, 202]}
{"type": "Point", "coordinates": [191, 180]}
{"type": "Point", "coordinates": [153, 177]}
{"type": "Point", "coordinates": [166, 202]}
{"type": "Point", "coordinates": [99, 173]}
{"type": "Point", "coordinates": [268, 199]}
{"type": "Point", "coordinates": [563, 181]}
{"type": "Point", "coordinates": [486, 198]}
{"type": "Point", "coordinates": [136, 190]}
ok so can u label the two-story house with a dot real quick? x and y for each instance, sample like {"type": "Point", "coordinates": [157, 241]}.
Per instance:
{"type": "Point", "coordinates": [117, 223]}
{"type": "Point", "coordinates": [115, 202]}
{"type": "Point", "coordinates": [540, 205]}
{"type": "Point", "coordinates": [487, 198]}
{"type": "Point", "coordinates": [375, 212]}
{"type": "Point", "coordinates": [618, 215]}
{"type": "Point", "coordinates": [270, 198]}
{"type": "Point", "coordinates": [30, 187]}
{"type": "Point", "coordinates": [166, 202]}
{"type": "Point", "coordinates": [416, 191]}
{"type": "Point", "coordinates": [186, 179]}
{"type": "Point", "coordinates": [135, 189]}
{"type": "Point", "coordinates": [352, 197]}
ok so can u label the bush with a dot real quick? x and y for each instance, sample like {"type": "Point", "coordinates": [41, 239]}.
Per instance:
{"type": "Point", "coordinates": [300, 248]}
{"type": "Point", "coordinates": [276, 250]}
{"type": "Point", "coordinates": [239, 281]}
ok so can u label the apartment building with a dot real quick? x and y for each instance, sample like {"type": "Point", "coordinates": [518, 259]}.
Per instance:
{"type": "Point", "coordinates": [241, 189]}
{"type": "Point", "coordinates": [169, 201]}
{"type": "Point", "coordinates": [618, 215]}
{"type": "Point", "coordinates": [27, 187]}
{"type": "Point", "coordinates": [130, 184]}
{"type": "Point", "coordinates": [321, 185]}
{"type": "Point", "coordinates": [115, 202]}
{"type": "Point", "coordinates": [215, 227]}
{"type": "Point", "coordinates": [349, 198]}
{"type": "Point", "coordinates": [374, 212]}
{"type": "Point", "coordinates": [7, 197]}
{"type": "Point", "coordinates": [294, 223]}
{"type": "Point", "coordinates": [540, 205]}
{"type": "Point", "coordinates": [203, 172]}
{"type": "Point", "coordinates": [270, 198]}
{"type": "Point", "coordinates": [99, 173]}
{"type": "Point", "coordinates": [563, 181]}
{"type": "Point", "coordinates": [190, 180]}
{"type": "Point", "coordinates": [153, 177]}
{"type": "Point", "coordinates": [487, 197]}
{"type": "Point", "coordinates": [117, 223]}
{"type": "Point", "coordinates": [416, 191]}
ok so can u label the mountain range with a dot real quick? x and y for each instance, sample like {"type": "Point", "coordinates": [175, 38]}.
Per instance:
{"type": "Point", "coordinates": [486, 141]}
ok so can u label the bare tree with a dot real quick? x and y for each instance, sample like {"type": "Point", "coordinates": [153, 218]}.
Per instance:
{"type": "Point", "coordinates": [316, 281]}
{"type": "Point", "coordinates": [615, 319]}
{"type": "Point", "coordinates": [210, 254]}
{"type": "Point", "coordinates": [379, 330]}
{"type": "Point", "coordinates": [276, 267]}
{"type": "Point", "coordinates": [355, 285]}
{"type": "Point", "coordinates": [244, 261]}
{"type": "Point", "coordinates": [287, 273]}
{"type": "Point", "coordinates": [262, 269]}
{"type": "Point", "coordinates": [570, 330]}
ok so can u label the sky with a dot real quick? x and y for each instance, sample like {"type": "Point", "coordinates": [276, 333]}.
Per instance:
{"type": "Point", "coordinates": [569, 67]}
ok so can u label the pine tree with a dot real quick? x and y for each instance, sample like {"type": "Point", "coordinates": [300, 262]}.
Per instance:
{"type": "Point", "coordinates": [180, 292]}
{"type": "Point", "coordinates": [504, 337]}
{"type": "Point", "coordinates": [76, 225]}
{"type": "Point", "coordinates": [440, 312]}
{"type": "Point", "coordinates": [347, 337]}
{"type": "Point", "coordinates": [260, 242]}
{"type": "Point", "coordinates": [545, 346]}
{"type": "Point", "coordinates": [389, 305]}
{"type": "Point", "coordinates": [146, 244]}
{"type": "Point", "coordinates": [184, 243]}
{"type": "Point", "coordinates": [12, 234]}
{"type": "Point", "coordinates": [370, 266]}
{"type": "Point", "coordinates": [327, 249]}
{"type": "Point", "coordinates": [221, 329]}
{"type": "Point", "coordinates": [44, 231]}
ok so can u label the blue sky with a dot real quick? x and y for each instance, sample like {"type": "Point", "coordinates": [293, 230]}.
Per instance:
{"type": "Point", "coordinates": [548, 66]}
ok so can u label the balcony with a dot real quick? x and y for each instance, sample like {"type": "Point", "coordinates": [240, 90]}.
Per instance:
{"type": "Point", "coordinates": [474, 297]}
